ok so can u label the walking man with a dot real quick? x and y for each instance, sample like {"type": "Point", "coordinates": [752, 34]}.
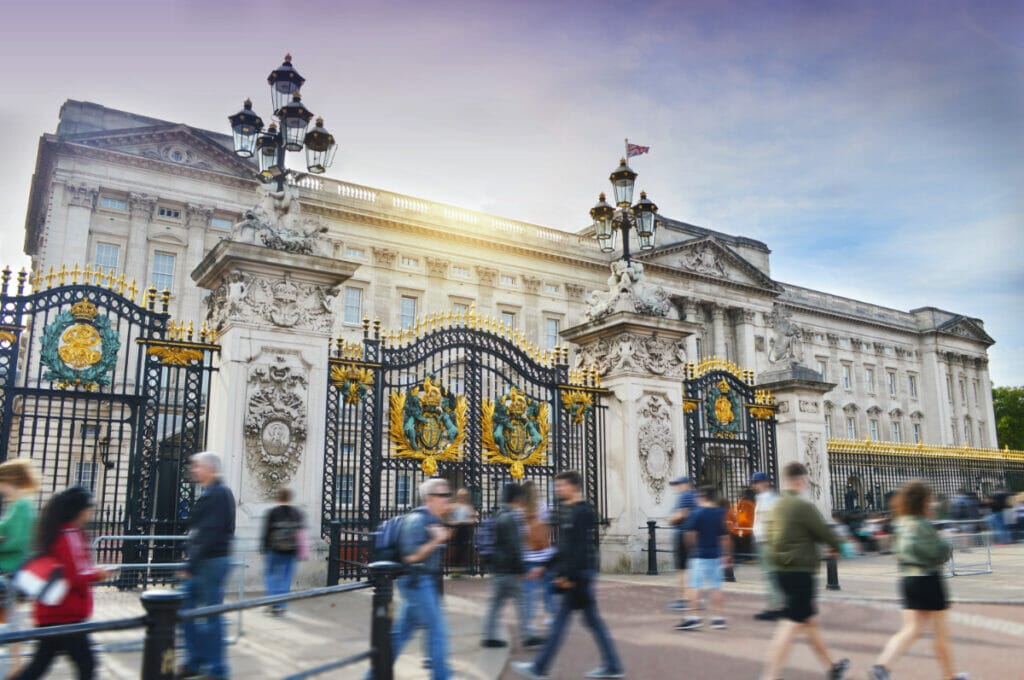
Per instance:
{"type": "Point", "coordinates": [686, 500]}
{"type": "Point", "coordinates": [508, 568]}
{"type": "Point", "coordinates": [764, 503]}
{"type": "Point", "coordinates": [280, 545]}
{"type": "Point", "coordinates": [709, 544]}
{"type": "Point", "coordinates": [575, 573]}
{"type": "Point", "coordinates": [211, 531]}
{"type": "Point", "coordinates": [420, 539]}
{"type": "Point", "coordinates": [796, 530]}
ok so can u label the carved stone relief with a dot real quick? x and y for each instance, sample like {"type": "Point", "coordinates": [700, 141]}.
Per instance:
{"type": "Point", "coordinates": [812, 459]}
{"type": "Point", "coordinates": [142, 205]}
{"type": "Point", "coordinates": [629, 352]}
{"type": "Point", "coordinates": [487, 275]}
{"type": "Point", "coordinates": [655, 443]}
{"type": "Point", "coordinates": [758, 343]}
{"type": "Point", "coordinates": [787, 347]}
{"type": "Point", "coordinates": [628, 290]}
{"type": "Point", "coordinates": [277, 223]}
{"type": "Point", "coordinates": [81, 195]}
{"type": "Point", "coordinates": [275, 420]}
{"type": "Point", "coordinates": [704, 259]}
{"type": "Point", "coordinates": [808, 406]}
{"type": "Point", "coordinates": [783, 407]}
{"type": "Point", "coordinates": [198, 215]}
{"type": "Point", "coordinates": [575, 292]}
{"type": "Point", "coordinates": [531, 284]}
{"type": "Point", "coordinates": [281, 302]}
{"type": "Point", "coordinates": [384, 257]}
{"type": "Point", "coordinates": [437, 266]}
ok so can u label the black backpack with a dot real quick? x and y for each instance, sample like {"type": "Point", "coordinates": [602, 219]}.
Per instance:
{"type": "Point", "coordinates": [284, 534]}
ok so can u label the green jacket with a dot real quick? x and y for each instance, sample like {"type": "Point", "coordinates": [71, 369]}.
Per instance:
{"type": "Point", "coordinates": [16, 528]}
{"type": "Point", "coordinates": [918, 546]}
{"type": "Point", "coordinates": [794, 532]}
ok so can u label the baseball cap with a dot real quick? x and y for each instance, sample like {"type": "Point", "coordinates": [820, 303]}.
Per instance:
{"type": "Point", "coordinates": [681, 480]}
{"type": "Point", "coordinates": [760, 477]}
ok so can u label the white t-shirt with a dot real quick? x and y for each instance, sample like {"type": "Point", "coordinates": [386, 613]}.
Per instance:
{"type": "Point", "coordinates": [766, 500]}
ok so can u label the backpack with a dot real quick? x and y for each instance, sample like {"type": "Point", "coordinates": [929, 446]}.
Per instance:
{"type": "Point", "coordinates": [386, 539]}
{"type": "Point", "coordinates": [284, 535]}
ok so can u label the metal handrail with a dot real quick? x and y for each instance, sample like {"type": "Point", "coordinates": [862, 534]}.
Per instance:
{"type": "Point", "coordinates": [215, 609]}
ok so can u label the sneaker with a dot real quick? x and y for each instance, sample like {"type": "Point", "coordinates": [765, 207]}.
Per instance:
{"type": "Point", "coordinates": [493, 644]}
{"type": "Point", "coordinates": [525, 669]}
{"type": "Point", "coordinates": [604, 673]}
{"type": "Point", "coordinates": [718, 623]}
{"type": "Point", "coordinates": [961, 676]}
{"type": "Point", "coordinates": [838, 670]}
{"type": "Point", "coordinates": [691, 623]}
{"type": "Point", "coordinates": [533, 641]}
{"type": "Point", "coordinates": [679, 605]}
{"type": "Point", "coordinates": [878, 672]}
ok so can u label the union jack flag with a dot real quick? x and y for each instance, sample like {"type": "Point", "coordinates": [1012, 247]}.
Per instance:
{"type": "Point", "coordinates": [636, 150]}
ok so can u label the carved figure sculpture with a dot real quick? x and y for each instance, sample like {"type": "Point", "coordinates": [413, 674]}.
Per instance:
{"type": "Point", "coordinates": [787, 345]}
{"type": "Point", "coordinates": [628, 291]}
{"type": "Point", "coordinates": [276, 222]}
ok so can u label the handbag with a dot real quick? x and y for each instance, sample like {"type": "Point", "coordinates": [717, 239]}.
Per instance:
{"type": "Point", "coordinates": [302, 547]}
{"type": "Point", "coordinates": [42, 579]}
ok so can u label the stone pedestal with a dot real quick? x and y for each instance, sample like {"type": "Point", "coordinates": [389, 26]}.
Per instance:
{"type": "Point", "coordinates": [800, 433]}
{"type": "Point", "coordinates": [274, 312]}
{"type": "Point", "coordinates": [641, 360]}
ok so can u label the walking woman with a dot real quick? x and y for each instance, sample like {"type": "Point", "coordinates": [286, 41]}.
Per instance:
{"type": "Point", "coordinates": [920, 552]}
{"type": "Point", "coordinates": [18, 481]}
{"type": "Point", "coordinates": [537, 554]}
{"type": "Point", "coordinates": [60, 536]}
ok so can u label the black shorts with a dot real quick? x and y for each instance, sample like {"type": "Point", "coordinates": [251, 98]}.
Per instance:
{"type": "Point", "coordinates": [798, 591]}
{"type": "Point", "coordinates": [679, 548]}
{"type": "Point", "coordinates": [924, 593]}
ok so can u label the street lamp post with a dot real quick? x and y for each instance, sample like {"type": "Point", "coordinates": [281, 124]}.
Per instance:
{"type": "Point", "coordinates": [622, 218]}
{"type": "Point", "coordinates": [288, 133]}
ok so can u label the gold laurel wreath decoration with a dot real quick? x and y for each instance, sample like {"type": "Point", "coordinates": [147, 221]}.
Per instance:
{"type": "Point", "coordinates": [403, 447]}
{"type": "Point", "coordinates": [494, 455]}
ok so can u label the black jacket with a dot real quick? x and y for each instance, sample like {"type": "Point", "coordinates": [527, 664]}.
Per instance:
{"type": "Point", "coordinates": [508, 551]}
{"type": "Point", "coordinates": [282, 518]}
{"type": "Point", "coordinates": [576, 539]}
{"type": "Point", "coordinates": [211, 524]}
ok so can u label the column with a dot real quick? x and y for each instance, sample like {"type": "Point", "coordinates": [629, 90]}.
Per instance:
{"type": "Point", "coordinates": [487, 277]}
{"type": "Point", "coordinates": [693, 316]}
{"type": "Point", "coordinates": [718, 329]}
{"type": "Point", "coordinates": [136, 258]}
{"type": "Point", "coordinates": [745, 338]}
{"type": "Point", "coordinates": [81, 200]}
{"type": "Point", "coordinates": [187, 306]}
{"type": "Point", "coordinates": [436, 298]}
{"type": "Point", "coordinates": [385, 303]}
{"type": "Point", "coordinates": [532, 324]}
{"type": "Point", "coordinates": [987, 408]}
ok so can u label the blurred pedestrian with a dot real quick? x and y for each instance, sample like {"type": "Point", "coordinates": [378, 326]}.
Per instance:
{"type": "Point", "coordinates": [686, 500]}
{"type": "Point", "coordinates": [282, 534]}
{"type": "Point", "coordinates": [18, 481]}
{"type": "Point", "coordinates": [764, 502]}
{"type": "Point", "coordinates": [461, 518]}
{"type": "Point", "coordinates": [710, 549]}
{"type": "Point", "coordinates": [920, 553]}
{"type": "Point", "coordinates": [537, 553]}
{"type": "Point", "coordinates": [60, 536]}
{"type": "Point", "coordinates": [576, 570]}
{"type": "Point", "coordinates": [796, 529]}
{"type": "Point", "coordinates": [211, 532]}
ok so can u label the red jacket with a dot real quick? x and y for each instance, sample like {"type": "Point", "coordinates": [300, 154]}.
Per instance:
{"type": "Point", "coordinates": [72, 551]}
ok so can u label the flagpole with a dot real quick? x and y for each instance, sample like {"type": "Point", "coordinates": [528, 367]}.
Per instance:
{"type": "Point", "coordinates": [627, 150]}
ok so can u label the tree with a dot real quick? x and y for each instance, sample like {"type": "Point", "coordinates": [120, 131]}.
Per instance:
{"type": "Point", "coordinates": [1008, 404]}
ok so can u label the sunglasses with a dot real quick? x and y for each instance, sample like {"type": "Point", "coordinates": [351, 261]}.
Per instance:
{"type": "Point", "coordinates": [442, 495]}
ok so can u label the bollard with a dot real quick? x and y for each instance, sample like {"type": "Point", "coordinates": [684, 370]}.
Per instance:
{"type": "Point", "coordinates": [383, 575]}
{"type": "Point", "coordinates": [334, 554]}
{"type": "Point", "coordinates": [161, 621]}
{"type": "Point", "coordinates": [832, 573]}
{"type": "Point", "coordinates": [652, 548]}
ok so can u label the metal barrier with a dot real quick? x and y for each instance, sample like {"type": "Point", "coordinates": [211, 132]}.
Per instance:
{"type": "Point", "coordinates": [164, 613]}
{"type": "Point", "coordinates": [972, 546]}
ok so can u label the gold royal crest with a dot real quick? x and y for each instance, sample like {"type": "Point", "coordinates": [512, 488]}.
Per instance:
{"type": "Point", "coordinates": [428, 423]}
{"type": "Point", "coordinates": [515, 431]}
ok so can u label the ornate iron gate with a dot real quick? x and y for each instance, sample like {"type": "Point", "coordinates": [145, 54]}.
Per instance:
{"type": "Point", "coordinates": [105, 393]}
{"type": "Point", "coordinates": [457, 396]}
{"type": "Point", "coordinates": [730, 427]}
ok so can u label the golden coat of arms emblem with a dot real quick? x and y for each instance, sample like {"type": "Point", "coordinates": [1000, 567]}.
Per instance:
{"type": "Point", "coordinates": [515, 431]}
{"type": "Point", "coordinates": [428, 423]}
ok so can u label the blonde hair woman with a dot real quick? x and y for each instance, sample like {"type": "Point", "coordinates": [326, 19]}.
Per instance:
{"type": "Point", "coordinates": [18, 482]}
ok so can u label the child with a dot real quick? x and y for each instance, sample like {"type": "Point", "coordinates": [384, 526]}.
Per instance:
{"type": "Point", "coordinates": [707, 537]}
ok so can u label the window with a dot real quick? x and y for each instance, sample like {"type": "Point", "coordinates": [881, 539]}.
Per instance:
{"type": "Point", "coordinates": [822, 368]}
{"type": "Point", "coordinates": [403, 488]}
{"type": "Point", "coordinates": [917, 433]}
{"type": "Point", "coordinates": [220, 223]}
{"type": "Point", "coordinates": [408, 311]}
{"type": "Point", "coordinates": [85, 475]}
{"type": "Point", "coordinates": [460, 307]}
{"type": "Point", "coordinates": [107, 256]}
{"type": "Point", "coordinates": [411, 262]}
{"type": "Point", "coordinates": [828, 426]}
{"type": "Point", "coordinates": [963, 391]}
{"type": "Point", "coordinates": [551, 333]}
{"type": "Point", "coordinates": [346, 485]}
{"type": "Point", "coordinates": [352, 251]}
{"type": "Point", "coordinates": [873, 429]}
{"type": "Point", "coordinates": [552, 288]}
{"type": "Point", "coordinates": [353, 305]}
{"type": "Point", "coordinates": [508, 319]}
{"type": "Point", "coordinates": [163, 271]}
{"type": "Point", "coordinates": [891, 379]}
{"type": "Point", "coordinates": [912, 386]}
{"type": "Point", "coordinates": [113, 203]}
{"type": "Point", "coordinates": [507, 280]}
{"type": "Point", "coordinates": [844, 342]}
{"type": "Point", "coordinates": [869, 380]}
{"type": "Point", "coordinates": [897, 432]}
{"type": "Point", "coordinates": [460, 271]}
{"type": "Point", "coordinates": [847, 379]}
{"type": "Point", "coordinates": [168, 213]}
{"type": "Point", "coordinates": [851, 428]}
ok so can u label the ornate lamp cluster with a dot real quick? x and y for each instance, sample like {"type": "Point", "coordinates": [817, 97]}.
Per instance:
{"type": "Point", "coordinates": [289, 133]}
{"type": "Point", "coordinates": [610, 220]}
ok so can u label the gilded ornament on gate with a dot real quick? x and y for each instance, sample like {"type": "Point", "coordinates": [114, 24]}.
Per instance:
{"type": "Point", "coordinates": [515, 431]}
{"type": "Point", "coordinates": [354, 382]}
{"type": "Point", "coordinates": [79, 348]}
{"type": "Point", "coordinates": [578, 403]}
{"type": "Point", "coordinates": [175, 356]}
{"type": "Point", "coordinates": [722, 407]}
{"type": "Point", "coordinates": [428, 423]}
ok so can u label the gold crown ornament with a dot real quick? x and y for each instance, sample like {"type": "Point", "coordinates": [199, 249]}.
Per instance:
{"type": "Point", "coordinates": [83, 310]}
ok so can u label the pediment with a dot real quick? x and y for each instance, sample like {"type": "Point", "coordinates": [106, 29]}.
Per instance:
{"type": "Point", "coordinates": [965, 327]}
{"type": "Point", "coordinates": [708, 257]}
{"type": "Point", "coordinates": [174, 144]}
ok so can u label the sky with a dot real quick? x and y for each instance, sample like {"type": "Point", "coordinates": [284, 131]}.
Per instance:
{"type": "Point", "coordinates": [876, 147]}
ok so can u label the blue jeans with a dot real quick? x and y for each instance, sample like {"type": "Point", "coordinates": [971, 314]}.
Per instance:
{"type": "Point", "coordinates": [421, 608]}
{"type": "Point", "coordinates": [998, 524]}
{"type": "Point", "coordinates": [545, 584]}
{"type": "Point", "coordinates": [204, 638]}
{"type": "Point", "coordinates": [609, 657]}
{"type": "Point", "coordinates": [506, 587]}
{"type": "Point", "coordinates": [278, 571]}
